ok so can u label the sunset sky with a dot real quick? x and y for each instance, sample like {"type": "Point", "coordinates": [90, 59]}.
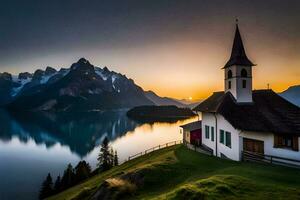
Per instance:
{"type": "Point", "coordinates": [173, 47]}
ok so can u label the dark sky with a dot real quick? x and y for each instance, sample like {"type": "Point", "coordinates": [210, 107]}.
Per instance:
{"type": "Point", "coordinates": [188, 39]}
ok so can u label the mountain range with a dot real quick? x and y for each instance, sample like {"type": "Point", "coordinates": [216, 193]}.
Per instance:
{"type": "Point", "coordinates": [82, 87]}
{"type": "Point", "coordinates": [85, 87]}
{"type": "Point", "coordinates": [292, 94]}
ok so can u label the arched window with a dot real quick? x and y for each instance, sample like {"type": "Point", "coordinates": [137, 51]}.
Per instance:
{"type": "Point", "coordinates": [229, 74]}
{"type": "Point", "coordinates": [243, 73]}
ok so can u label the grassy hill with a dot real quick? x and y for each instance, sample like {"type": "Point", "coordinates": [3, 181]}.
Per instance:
{"type": "Point", "coordinates": [179, 173]}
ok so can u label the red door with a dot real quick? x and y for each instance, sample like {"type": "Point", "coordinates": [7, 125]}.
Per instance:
{"type": "Point", "coordinates": [196, 137]}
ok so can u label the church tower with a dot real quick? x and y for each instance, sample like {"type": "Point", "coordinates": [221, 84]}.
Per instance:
{"type": "Point", "coordinates": [238, 72]}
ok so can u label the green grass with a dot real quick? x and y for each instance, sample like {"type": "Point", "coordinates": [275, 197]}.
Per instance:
{"type": "Point", "coordinates": [179, 173]}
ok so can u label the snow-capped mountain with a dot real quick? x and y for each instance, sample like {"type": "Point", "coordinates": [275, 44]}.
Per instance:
{"type": "Point", "coordinates": [82, 87]}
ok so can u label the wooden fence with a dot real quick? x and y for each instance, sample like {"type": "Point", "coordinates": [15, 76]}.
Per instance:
{"type": "Point", "coordinates": [263, 158]}
{"type": "Point", "coordinates": [154, 149]}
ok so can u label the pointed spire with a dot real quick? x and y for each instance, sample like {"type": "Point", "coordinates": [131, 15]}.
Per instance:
{"type": "Point", "coordinates": [238, 54]}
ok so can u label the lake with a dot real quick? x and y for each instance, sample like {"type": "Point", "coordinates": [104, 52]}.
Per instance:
{"type": "Point", "coordinates": [33, 144]}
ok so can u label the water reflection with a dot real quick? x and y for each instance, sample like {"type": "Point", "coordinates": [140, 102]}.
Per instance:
{"type": "Point", "coordinates": [33, 144]}
{"type": "Point", "coordinates": [81, 132]}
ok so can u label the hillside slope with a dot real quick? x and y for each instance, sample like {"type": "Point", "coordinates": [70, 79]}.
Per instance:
{"type": "Point", "coordinates": [179, 173]}
{"type": "Point", "coordinates": [292, 94]}
{"type": "Point", "coordinates": [163, 101]}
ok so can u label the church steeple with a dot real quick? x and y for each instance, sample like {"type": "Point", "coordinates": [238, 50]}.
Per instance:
{"type": "Point", "coordinates": [238, 71]}
{"type": "Point", "coordinates": [238, 54]}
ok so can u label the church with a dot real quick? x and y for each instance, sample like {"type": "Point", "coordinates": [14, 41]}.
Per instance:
{"type": "Point", "coordinates": [241, 119]}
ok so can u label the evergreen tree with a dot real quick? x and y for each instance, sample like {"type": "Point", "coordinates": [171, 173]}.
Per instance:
{"type": "Point", "coordinates": [104, 162]}
{"type": "Point", "coordinates": [57, 185]}
{"type": "Point", "coordinates": [82, 171]}
{"type": "Point", "coordinates": [68, 178]}
{"type": "Point", "coordinates": [111, 157]}
{"type": "Point", "coordinates": [47, 188]}
{"type": "Point", "coordinates": [116, 159]}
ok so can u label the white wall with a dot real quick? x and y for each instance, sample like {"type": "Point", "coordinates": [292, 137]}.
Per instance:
{"type": "Point", "coordinates": [209, 120]}
{"type": "Point", "coordinates": [269, 149]}
{"type": "Point", "coordinates": [187, 136]}
{"type": "Point", "coordinates": [237, 136]}
{"type": "Point", "coordinates": [241, 94]}
{"type": "Point", "coordinates": [233, 152]}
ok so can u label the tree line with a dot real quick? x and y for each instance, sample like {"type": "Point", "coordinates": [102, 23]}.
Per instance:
{"type": "Point", "coordinates": [107, 158]}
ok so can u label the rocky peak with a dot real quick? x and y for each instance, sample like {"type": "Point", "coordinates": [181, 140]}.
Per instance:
{"type": "Point", "coordinates": [38, 74]}
{"type": "Point", "coordinates": [6, 76]}
{"type": "Point", "coordinates": [24, 75]}
{"type": "Point", "coordinates": [50, 71]}
{"type": "Point", "coordinates": [83, 61]}
{"type": "Point", "coordinates": [106, 70]}
{"type": "Point", "coordinates": [82, 65]}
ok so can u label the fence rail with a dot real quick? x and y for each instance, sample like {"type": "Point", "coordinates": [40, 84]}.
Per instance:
{"type": "Point", "coordinates": [169, 144]}
{"type": "Point", "coordinates": [263, 158]}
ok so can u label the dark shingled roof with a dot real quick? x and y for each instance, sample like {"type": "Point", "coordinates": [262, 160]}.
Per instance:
{"type": "Point", "coordinates": [192, 126]}
{"type": "Point", "coordinates": [238, 54]}
{"type": "Point", "coordinates": [268, 113]}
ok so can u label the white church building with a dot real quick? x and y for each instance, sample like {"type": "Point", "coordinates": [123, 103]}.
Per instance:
{"type": "Point", "coordinates": [241, 119]}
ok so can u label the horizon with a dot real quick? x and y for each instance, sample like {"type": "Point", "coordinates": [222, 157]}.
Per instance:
{"type": "Point", "coordinates": [188, 99]}
{"type": "Point", "coordinates": [183, 45]}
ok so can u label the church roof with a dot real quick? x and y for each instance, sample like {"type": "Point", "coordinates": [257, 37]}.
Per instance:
{"type": "Point", "coordinates": [192, 126]}
{"type": "Point", "coordinates": [268, 113]}
{"type": "Point", "coordinates": [238, 54]}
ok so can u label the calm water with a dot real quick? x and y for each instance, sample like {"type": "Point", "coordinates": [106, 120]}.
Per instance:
{"type": "Point", "coordinates": [31, 145]}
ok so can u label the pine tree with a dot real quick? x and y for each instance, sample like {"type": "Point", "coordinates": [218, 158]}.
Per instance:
{"type": "Point", "coordinates": [68, 178]}
{"type": "Point", "coordinates": [111, 157]}
{"type": "Point", "coordinates": [116, 159]}
{"type": "Point", "coordinates": [47, 187]}
{"type": "Point", "coordinates": [82, 171]}
{"type": "Point", "coordinates": [104, 162]}
{"type": "Point", "coordinates": [57, 185]}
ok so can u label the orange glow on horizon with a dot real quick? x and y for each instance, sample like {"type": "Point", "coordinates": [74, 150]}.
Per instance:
{"type": "Point", "coordinates": [190, 65]}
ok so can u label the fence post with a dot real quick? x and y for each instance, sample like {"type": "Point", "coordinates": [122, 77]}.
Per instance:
{"type": "Point", "coordinates": [271, 159]}
{"type": "Point", "coordinates": [128, 158]}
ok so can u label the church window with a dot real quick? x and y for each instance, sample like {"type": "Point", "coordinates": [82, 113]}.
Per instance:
{"type": "Point", "coordinates": [286, 141]}
{"type": "Point", "coordinates": [229, 84]}
{"type": "Point", "coordinates": [228, 139]}
{"type": "Point", "coordinates": [243, 73]}
{"type": "Point", "coordinates": [206, 132]}
{"type": "Point", "coordinates": [229, 74]}
{"type": "Point", "coordinates": [225, 138]}
{"type": "Point", "coordinates": [244, 83]}
{"type": "Point", "coordinates": [222, 136]}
